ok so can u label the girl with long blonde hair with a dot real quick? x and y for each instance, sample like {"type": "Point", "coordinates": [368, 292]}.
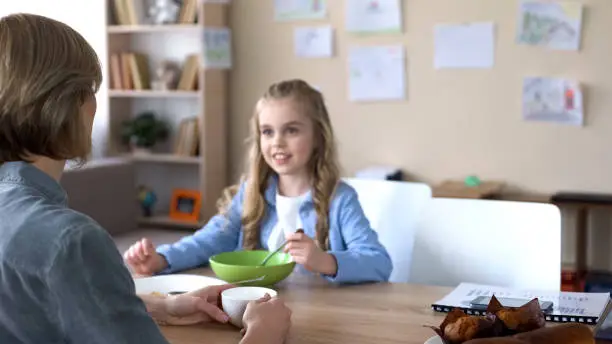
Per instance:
{"type": "Point", "coordinates": [292, 182]}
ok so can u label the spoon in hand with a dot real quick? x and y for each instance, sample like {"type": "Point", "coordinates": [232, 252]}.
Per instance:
{"type": "Point", "coordinates": [277, 250]}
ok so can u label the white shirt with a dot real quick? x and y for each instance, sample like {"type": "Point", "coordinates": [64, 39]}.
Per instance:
{"type": "Point", "coordinates": [288, 212]}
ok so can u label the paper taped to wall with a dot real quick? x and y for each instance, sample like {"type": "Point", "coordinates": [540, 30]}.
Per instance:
{"type": "Point", "coordinates": [217, 48]}
{"type": "Point", "coordinates": [552, 100]}
{"type": "Point", "coordinates": [373, 16]}
{"type": "Point", "coordinates": [469, 45]}
{"type": "Point", "coordinates": [556, 25]}
{"type": "Point", "coordinates": [377, 73]}
{"type": "Point", "coordinates": [313, 41]}
{"type": "Point", "coordinates": [285, 10]}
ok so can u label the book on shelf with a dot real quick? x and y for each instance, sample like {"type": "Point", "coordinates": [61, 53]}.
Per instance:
{"type": "Point", "coordinates": [129, 71]}
{"type": "Point", "coordinates": [189, 12]}
{"type": "Point", "coordinates": [129, 12]}
{"type": "Point", "coordinates": [188, 139]}
{"type": "Point", "coordinates": [116, 72]}
{"type": "Point", "coordinates": [189, 76]}
{"type": "Point", "coordinates": [567, 306]}
{"type": "Point", "coordinates": [126, 74]}
{"type": "Point", "coordinates": [139, 65]}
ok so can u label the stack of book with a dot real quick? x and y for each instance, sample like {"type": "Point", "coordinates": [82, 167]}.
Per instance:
{"type": "Point", "coordinates": [129, 71]}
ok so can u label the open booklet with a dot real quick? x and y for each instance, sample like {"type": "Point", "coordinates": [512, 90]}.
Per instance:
{"type": "Point", "coordinates": [567, 306]}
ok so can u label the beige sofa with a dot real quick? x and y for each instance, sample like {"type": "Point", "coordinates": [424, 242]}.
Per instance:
{"type": "Point", "coordinates": [105, 190]}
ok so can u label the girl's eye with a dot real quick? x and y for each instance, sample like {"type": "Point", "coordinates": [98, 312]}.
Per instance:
{"type": "Point", "coordinates": [266, 132]}
{"type": "Point", "coordinates": [292, 130]}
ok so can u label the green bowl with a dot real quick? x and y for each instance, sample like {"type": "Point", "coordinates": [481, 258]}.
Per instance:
{"type": "Point", "coordinates": [244, 265]}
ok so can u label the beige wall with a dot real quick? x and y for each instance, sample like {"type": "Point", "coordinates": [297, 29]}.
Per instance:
{"type": "Point", "coordinates": [428, 134]}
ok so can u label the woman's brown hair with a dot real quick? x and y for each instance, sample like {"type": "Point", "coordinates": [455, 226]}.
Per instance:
{"type": "Point", "coordinates": [47, 72]}
{"type": "Point", "coordinates": [323, 162]}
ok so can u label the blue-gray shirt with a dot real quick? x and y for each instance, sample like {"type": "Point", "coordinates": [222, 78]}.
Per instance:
{"type": "Point", "coordinates": [62, 279]}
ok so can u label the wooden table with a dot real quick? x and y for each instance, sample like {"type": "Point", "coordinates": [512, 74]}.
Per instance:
{"type": "Point", "coordinates": [324, 313]}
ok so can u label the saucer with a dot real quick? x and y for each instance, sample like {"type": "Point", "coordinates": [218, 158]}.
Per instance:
{"type": "Point", "coordinates": [434, 340]}
{"type": "Point", "coordinates": [165, 284]}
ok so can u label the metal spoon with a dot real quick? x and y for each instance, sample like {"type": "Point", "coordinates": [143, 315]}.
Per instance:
{"type": "Point", "coordinates": [277, 250]}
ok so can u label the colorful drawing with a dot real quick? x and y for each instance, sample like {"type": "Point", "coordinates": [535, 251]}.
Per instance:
{"type": "Point", "coordinates": [377, 73]}
{"type": "Point", "coordinates": [313, 41]}
{"type": "Point", "coordinates": [217, 48]}
{"type": "Point", "coordinates": [373, 16]}
{"type": "Point", "coordinates": [285, 10]}
{"type": "Point", "coordinates": [552, 100]}
{"type": "Point", "coordinates": [556, 25]}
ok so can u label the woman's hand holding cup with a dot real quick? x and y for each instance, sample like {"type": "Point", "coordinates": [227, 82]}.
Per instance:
{"type": "Point", "coordinates": [266, 320]}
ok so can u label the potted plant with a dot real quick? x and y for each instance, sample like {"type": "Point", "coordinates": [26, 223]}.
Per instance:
{"type": "Point", "coordinates": [143, 132]}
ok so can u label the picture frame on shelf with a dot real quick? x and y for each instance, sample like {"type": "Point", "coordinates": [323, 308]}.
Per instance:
{"type": "Point", "coordinates": [185, 205]}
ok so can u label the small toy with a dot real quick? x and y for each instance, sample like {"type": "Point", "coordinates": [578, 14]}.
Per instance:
{"type": "Point", "coordinates": [166, 76]}
{"type": "Point", "coordinates": [472, 181]}
{"type": "Point", "coordinates": [147, 199]}
{"type": "Point", "coordinates": [163, 11]}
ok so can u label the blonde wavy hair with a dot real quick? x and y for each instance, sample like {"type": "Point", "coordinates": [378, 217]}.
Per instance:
{"type": "Point", "coordinates": [323, 163]}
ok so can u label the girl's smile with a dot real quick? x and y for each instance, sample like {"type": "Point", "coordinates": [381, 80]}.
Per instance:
{"type": "Point", "coordinates": [281, 158]}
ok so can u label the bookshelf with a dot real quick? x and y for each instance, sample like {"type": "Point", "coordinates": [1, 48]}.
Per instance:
{"type": "Point", "coordinates": [194, 155]}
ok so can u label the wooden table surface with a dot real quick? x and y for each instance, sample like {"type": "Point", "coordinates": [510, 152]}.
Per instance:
{"type": "Point", "coordinates": [324, 313]}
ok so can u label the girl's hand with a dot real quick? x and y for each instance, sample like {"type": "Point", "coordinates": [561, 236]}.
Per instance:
{"type": "Point", "coordinates": [143, 259]}
{"type": "Point", "coordinates": [305, 251]}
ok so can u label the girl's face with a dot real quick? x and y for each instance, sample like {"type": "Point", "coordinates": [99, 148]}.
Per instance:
{"type": "Point", "coordinates": [286, 137]}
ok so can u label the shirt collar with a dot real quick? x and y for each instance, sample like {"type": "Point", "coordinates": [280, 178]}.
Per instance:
{"type": "Point", "coordinates": [20, 172]}
{"type": "Point", "coordinates": [272, 189]}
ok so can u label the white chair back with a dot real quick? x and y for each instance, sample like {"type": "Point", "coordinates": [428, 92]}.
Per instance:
{"type": "Point", "coordinates": [393, 209]}
{"type": "Point", "coordinates": [507, 244]}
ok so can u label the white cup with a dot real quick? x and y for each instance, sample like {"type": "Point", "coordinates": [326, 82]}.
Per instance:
{"type": "Point", "coordinates": [234, 301]}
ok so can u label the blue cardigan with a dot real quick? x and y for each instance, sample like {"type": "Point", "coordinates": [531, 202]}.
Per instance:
{"type": "Point", "coordinates": [359, 254]}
